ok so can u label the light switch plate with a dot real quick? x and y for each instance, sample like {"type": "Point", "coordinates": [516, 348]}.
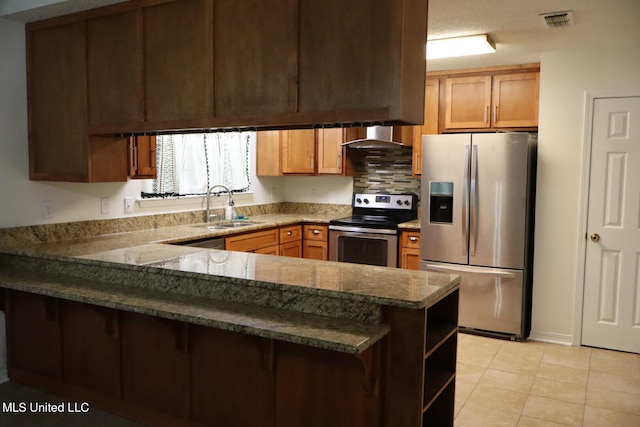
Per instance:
{"type": "Point", "coordinates": [128, 204]}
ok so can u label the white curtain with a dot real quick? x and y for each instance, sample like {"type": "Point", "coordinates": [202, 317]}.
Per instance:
{"type": "Point", "coordinates": [188, 164]}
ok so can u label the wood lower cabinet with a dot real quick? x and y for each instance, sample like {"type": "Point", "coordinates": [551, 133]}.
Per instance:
{"type": "Point", "coordinates": [315, 244]}
{"type": "Point", "coordinates": [235, 384]}
{"type": "Point", "coordinates": [319, 388]}
{"type": "Point", "coordinates": [177, 374]}
{"type": "Point", "coordinates": [291, 241]}
{"type": "Point", "coordinates": [155, 364]}
{"type": "Point", "coordinates": [91, 343]}
{"type": "Point", "coordinates": [33, 334]}
{"type": "Point", "coordinates": [410, 250]}
{"type": "Point", "coordinates": [422, 379]}
{"type": "Point", "coordinates": [253, 241]}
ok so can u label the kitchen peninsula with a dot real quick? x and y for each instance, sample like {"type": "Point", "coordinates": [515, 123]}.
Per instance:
{"type": "Point", "coordinates": [177, 335]}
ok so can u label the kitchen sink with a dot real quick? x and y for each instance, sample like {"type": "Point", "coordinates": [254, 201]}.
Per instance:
{"type": "Point", "coordinates": [223, 225]}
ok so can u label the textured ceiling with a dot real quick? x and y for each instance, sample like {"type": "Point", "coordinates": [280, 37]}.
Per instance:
{"type": "Point", "coordinates": [514, 25]}
{"type": "Point", "coordinates": [519, 33]}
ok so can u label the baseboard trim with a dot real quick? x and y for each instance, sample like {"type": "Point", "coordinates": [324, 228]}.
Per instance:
{"type": "Point", "coordinates": [551, 337]}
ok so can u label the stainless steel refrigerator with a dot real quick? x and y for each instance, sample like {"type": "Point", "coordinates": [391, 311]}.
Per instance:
{"type": "Point", "coordinates": [478, 195]}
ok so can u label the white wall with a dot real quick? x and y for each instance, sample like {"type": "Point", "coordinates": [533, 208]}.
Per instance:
{"type": "Point", "coordinates": [565, 78]}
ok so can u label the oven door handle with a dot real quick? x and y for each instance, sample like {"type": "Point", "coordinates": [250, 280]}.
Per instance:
{"type": "Point", "coordinates": [362, 229]}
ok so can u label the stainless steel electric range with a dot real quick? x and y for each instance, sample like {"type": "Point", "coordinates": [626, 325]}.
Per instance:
{"type": "Point", "coordinates": [370, 234]}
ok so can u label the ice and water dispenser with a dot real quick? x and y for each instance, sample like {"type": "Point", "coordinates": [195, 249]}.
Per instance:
{"type": "Point", "coordinates": [441, 202]}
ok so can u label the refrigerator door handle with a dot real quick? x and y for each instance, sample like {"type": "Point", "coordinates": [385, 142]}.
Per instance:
{"type": "Point", "coordinates": [473, 204]}
{"type": "Point", "coordinates": [465, 196]}
{"type": "Point", "coordinates": [466, 269]}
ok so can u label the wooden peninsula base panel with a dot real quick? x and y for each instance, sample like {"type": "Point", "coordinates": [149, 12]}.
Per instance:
{"type": "Point", "coordinates": [164, 372]}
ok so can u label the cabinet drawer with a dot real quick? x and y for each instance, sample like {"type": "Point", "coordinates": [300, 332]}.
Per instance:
{"type": "Point", "coordinates": [316, 232]}
{"type": "Point", "coordinates": [410, 239]}
{"type": "Point", "coordinates": [290, 234]}
{"type": "Point", "coordinates": [252, 241]}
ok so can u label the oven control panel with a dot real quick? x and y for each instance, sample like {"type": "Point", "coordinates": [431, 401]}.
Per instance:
{"type": "Point", "coordinates": [383, 201]}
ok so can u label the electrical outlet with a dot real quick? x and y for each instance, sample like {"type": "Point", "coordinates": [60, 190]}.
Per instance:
{"type": "Point", "coordinates": [128, 204]}
{"type": "Point", "coordinates": [104, 205]}
{"type": "Point", "coordinates": [47, 209]}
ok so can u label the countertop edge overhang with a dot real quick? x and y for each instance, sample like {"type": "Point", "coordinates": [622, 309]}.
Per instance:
{"type": "Point", "coordinates": [341, 286]}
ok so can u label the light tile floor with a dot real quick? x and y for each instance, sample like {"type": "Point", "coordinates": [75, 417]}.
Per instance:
{"type": "Point", "coordinates": [534, 384]}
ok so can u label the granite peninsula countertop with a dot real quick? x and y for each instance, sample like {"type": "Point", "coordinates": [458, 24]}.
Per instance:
{"type": "Point", "coordinates": [334, 305]}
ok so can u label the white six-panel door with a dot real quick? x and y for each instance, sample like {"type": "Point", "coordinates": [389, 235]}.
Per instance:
{"type": "Point", "coordinates": [611, 312]}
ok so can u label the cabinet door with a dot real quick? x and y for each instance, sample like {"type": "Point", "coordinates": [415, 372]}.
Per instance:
{"type": "Point", "coordinates": [114, 69]}
{"type": "Point", "coordinates": [410, 250]}
{"type": "Point", "coordinates": [430, 124]}
{"type": "Point", "coordinates": [315, 249]}
{"type": "Point", "coordinates": [178, 53]}
{"type": "Point", "coordinates": [330, 152]}
{"type": "Point", "coordinates": [291, 249]}
{"type": "Point", "coordinates": [142, 157]}
{"type": "Point", "coordinates": [57, 93]}
{"type": "Point", "coordinates": [91, 334]}
{"type": "Point", "coordinates": [269, 250]}
{"type": "Point", "coordinates": [375, 70]}
{"type": "Point", "coordinates": [268, 153]}
{"type": "Point", "coordinates": [155, 363]}
{"type": "Point", "coordinates": [298, 151]}
{"type": "Point", "coordinates": [33, 334]}
{"type": "Point", "coordinates": [255, 57]}
{"type": "Point", "coordinates": [467, 102]}
{"type": "Point", "coordinates": [249, 242]}
{"type": "Point", "coordinates": [234, 385]}
{"type": "Point", "coordinates": [515, 100]}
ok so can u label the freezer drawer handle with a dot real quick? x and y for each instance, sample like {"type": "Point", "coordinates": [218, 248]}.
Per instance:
{"type": "Point", "coordinates": [461, 269]}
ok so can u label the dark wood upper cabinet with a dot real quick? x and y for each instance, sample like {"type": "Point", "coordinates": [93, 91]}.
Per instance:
{"type": "Point", "coordinates": [160, 65]}
{"type": "Point", "coordinates": [178, 47]}
{"type": "Point", "coordinates": [57, 94]}
{"type": "Point", "coordinates": [255, 57]}
{"type": "Point", "coordinates": [114, 69]}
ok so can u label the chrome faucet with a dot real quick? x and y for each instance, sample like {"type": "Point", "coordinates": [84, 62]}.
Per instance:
{"type": "Point", "coordinates": [208, 216]}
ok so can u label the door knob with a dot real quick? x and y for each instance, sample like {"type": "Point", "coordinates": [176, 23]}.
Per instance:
{"type": "Point", "coordinates": [595, 237]}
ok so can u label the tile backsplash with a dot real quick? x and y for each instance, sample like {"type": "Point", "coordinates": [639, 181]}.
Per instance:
{"type": "Point", "coordinates": [385, 170]}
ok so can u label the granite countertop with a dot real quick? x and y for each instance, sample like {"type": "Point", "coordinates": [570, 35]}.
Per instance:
{"type": "Point", "coordinates": [139, 271]}
{"type": "Point", "coordinates": [410, 225]}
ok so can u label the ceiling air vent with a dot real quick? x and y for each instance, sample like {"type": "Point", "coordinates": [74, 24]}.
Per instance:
{"type": "Point", "coordinates": [558, 19]}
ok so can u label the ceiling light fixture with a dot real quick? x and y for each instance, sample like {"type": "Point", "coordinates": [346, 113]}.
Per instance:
{"type": "Point", "coordinates": [460, 46]}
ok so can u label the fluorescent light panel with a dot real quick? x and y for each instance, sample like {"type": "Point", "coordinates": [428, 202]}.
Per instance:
{"type": "Point", "coordinates": [460, 46]}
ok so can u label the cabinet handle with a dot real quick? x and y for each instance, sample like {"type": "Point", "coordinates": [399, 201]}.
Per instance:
{"type": "Point", "coordinates": [413, 238]}
{"type": "Point", "coordinates": [316, 232]}
{"type": "Point", "coordinates": [495, 114]}
{"type": "Point", "coordinates": [289, 233]}
{"type": "Point", "coordinates": [486, 114]}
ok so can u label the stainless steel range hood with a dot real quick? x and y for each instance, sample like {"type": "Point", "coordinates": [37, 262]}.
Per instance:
{"type": "Point", "coordinates": [377, 137]}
